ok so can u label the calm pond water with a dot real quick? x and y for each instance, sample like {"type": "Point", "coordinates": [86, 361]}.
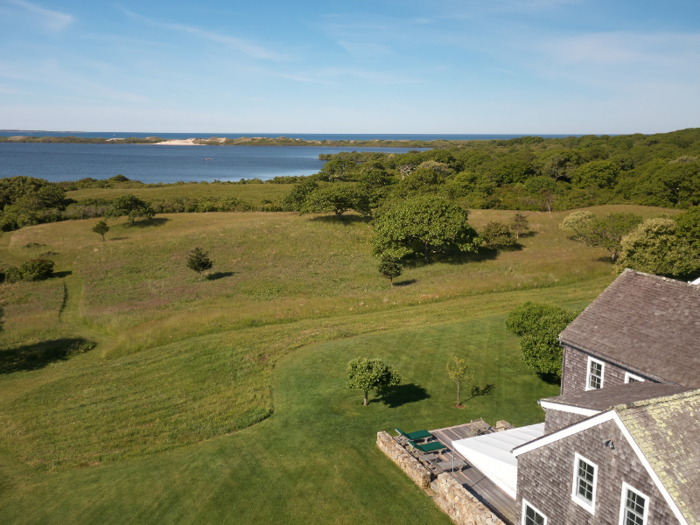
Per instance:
{"type": "Point", "coordinates": [152, 164]}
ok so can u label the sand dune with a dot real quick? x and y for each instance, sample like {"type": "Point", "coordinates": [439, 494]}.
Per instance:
{"type": "Point", "coordinates": [179, 142]}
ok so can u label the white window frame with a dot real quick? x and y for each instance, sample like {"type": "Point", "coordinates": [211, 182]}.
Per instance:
{"type": "Point", "coordinates": [588, 373]}
{"type": "Point", "coordinates": [623, 502]}
{"type": "Point", "coordinates": [633, 376]}
{"type": "Point", "coordinates": [574, 487]}
{"type": "Point", "coordinates": [527, 504]}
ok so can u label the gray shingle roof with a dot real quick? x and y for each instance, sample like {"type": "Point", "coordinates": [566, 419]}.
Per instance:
{"type": "Point", "coordinates": [646, 323]}
{"type": "Point", "coordinates": [611, 396]}
{"type": "Point", "coordinates": [668, 432]}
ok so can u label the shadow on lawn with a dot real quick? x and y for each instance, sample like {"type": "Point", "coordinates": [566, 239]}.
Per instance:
{"type": "Point", "coordinates": [65, 273]}
{"type": "Point", "coordinates": [396, 396]}
{"type": "Point", "coordinates": [405, 282]}
{"type": "Point", "coordinates": [550, 379]}
{"type": "Point", "coordinates": [158, 221]}
{"type": "Point", "coordinates": [38, 355]}
{"type": "Point", "coordinates": [340, 219]}
{"type": "Point", "coordinates": [219, 275]}
{"type": "Point", "coordinates": [478, 392]}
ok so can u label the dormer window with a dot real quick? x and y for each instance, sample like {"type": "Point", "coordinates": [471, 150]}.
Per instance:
{"type": "Point", "coordinates": [594, 378]}
{"type": "Point", "coordinates": [631, 378]}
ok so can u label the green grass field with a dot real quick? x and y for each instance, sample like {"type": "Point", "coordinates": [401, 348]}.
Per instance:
{"type": "Point", "coordinates": [225, 400]}
{"type": "Point", "coordinates": [251, 193]}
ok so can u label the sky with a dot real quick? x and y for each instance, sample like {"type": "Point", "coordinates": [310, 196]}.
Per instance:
{"type": "Point", "coordinates": [352, 66]}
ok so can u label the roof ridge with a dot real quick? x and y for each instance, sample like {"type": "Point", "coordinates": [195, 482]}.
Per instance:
{"type": "Point", "coordinates": [656, 400]}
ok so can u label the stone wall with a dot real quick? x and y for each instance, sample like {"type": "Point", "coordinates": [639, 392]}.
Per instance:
{"type": "Point", "coordinates": [460, 505]}
{"type": "Point", "coordinates": [406, 462]}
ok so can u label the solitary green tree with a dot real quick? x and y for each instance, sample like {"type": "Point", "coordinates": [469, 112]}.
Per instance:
{"type": "Point", "coordinates": [390, 268]}
{"type": "Point", "coordinates": [426, 225]}
{"type": "Point", "coordinates": [199, 261]}
{"type": "Point", "coordinates": [101, 228]}
{"type": "Point", "coordinates": [576, 223]}
{"type": "Point", "coordinates": [519, 224]}
{"type": "Point", "coordinates": [459, 373]}
{"type": "Point", "coordinates": [371, 374]}
{"type": "Point", "coordinates": [607, 231]}
{"type": "Point", "coordinates": [131, 206]}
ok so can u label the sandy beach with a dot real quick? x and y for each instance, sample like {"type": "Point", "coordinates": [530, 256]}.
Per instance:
{"type": "Point", "coordinates": [180, 142]}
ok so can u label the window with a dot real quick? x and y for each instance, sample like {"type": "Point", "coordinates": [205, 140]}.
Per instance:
{"type": "Point", "coordinates": [594, 378]}
{"type": "Point", "coordinates": [585, 477]}
{"type": "Point", "coordinates": [634, 508]}
{"type": "Point", "coordinates": [532, 516]}
{"type": "Point", "coordinates": [631, 378]}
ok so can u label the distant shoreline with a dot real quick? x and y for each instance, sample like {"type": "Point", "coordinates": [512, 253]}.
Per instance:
{"type": "Point", "coordinates": [242, 141]}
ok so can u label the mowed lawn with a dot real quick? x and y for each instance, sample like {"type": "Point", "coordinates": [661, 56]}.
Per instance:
{"type": "Point", "coordinates": [225, 400]}
{"type": "Point", "coordinates": [314, 460]}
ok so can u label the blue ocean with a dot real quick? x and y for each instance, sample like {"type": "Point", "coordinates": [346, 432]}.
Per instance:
{"type": "Point", "coordinates": [168, 164]}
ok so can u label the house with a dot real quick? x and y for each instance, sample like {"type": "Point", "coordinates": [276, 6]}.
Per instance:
{"type": "Point", "coordinates": [641, 328]}
{"type": "Point", "coordinates": [621, 444]}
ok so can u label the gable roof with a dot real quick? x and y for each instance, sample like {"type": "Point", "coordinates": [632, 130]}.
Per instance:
{"type": "Point", "coordinates": [605, 398]}
{"type": "Point", "coordinates": [667, 431]}
{"type": "Point", "coordinates": [644, 323]}
{"type": "Point", "coordinates": [664, 432]}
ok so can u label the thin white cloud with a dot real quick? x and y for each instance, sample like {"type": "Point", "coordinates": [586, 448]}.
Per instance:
{"type": "Point", "coordinates": [626, 48]}
{"type": "Point", "coordinates": [54, 20]}
{"type": "Point", "coordinates": [239, 44]}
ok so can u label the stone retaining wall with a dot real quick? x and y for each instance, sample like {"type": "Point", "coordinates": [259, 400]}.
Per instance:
{"type": "Point", "coordinates": [460, 505]}
{"type": "Point", "coordinates": [410, 465]}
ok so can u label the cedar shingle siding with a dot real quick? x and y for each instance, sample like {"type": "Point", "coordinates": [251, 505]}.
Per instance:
{"type": "Point", "coordinates": [545, 479]}
{"type": "Point", "coordinates": [643, 323]}
{"type": "Point", "coordinates": [575, 372]}
{"type": "Point", "coordinates": [557, 419]}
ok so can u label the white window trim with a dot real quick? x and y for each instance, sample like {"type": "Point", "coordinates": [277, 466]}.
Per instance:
{"type": "Point", "coordinates": [633, 376]}
{"type": "Point", "coordinates": [588, 373]}
{"type": "Point", "coordinates": [527, 504]}
{"type": "Point", "coordinates": [608, 415]}
{"type": "Point", "coordinates": [574, 496]}
{"type": "Point", "coordinates": [623, 502]}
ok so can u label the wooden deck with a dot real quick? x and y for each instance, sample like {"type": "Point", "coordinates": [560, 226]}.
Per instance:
{"type": "Point", "coordinates": [469, 476]}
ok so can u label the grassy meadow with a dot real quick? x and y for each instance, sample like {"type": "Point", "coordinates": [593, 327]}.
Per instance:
{"type": "Point", "coordinates": [132, 392]}
{"type": "Point", "coordinates": [252, 193]}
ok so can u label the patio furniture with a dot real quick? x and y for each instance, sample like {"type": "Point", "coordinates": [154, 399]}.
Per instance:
{"type": "Point", "coordinates": [428, 447]}
{"type": "Point", "coordinates": [418, 434]}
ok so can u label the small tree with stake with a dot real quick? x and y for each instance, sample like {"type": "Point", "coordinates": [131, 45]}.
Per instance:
{"type": "Point", "coordinates": [458, 370]}
{"type": "Point", "coordinates": [101, 228]}
{"type": "Point", "coordinates": [199, 261]}
{"type": "Point", "coordinates": [390, 268]}
{"type": "Point", "coordinates": [371, 374]}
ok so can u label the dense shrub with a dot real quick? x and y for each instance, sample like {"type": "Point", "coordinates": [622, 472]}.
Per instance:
{"type": "Point", "coordinates": [498, 235]}
{"type": "Point", "coordinates": [36, 269]}
{"type": "Point", "coordinates": [523, 319]}
{"type": "Point", "coordinates": [540, 326]}
{"type": "Point", "coordinates": [654, 247]}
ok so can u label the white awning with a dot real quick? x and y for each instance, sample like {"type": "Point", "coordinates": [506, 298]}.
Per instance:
{"type": "Point", "coordinates": [491, 454]}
